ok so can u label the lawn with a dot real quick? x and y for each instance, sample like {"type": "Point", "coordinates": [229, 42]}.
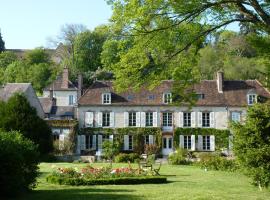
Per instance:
{"type": "Point", "coordinates": [185, 182]}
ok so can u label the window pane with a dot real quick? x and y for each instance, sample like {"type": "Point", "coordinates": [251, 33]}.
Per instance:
{"type": "Point", "coordinates": [164, 143]}
{"type": "Point", "coordinates": [170, 143]}
{"type": "Point", "coordinates": [149, 119]}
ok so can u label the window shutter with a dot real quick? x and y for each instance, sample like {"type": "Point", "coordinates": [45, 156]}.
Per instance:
{"type": "Point", "coordinates": [199, 119]}
{"type": "Point", "coordinates": [193, 147]}
{"type": "Point", "coordinates": [193, 119]}
{"type": "Point", "coordinates": [151, 139]}
{"type": "Point", "coordinates": [181, 141]}
{"type": "Point", "coordinates": [99, 119]}
{"type": "Point", "coordinates": [83, 142]}
{"type": "Point", "coordinates": [125, 142]}
{"type": "Point", "coordinates": [88, 119]}
{"type": "Point", "coordinates": [99, 142]}
{"type": "Point", "coordinates": [200, 142]}
{"type": "Point", "coordinates": [154, 119]}
{"type": "Point", "coordinates": [181, 119]}
{"type": "Point", "coordinates": [94, 145]}
{"type": "Point", "coordinates": [143, 119]}
{"type": "Point", "coordinates": [212, 143]}
{"type": "Point", "coordinates": [111, 138]}
{"type": "Point", "coordinates": [112, 119]}
{"type": "Point", "coordinates": [125, 119]}
{"type": "Point", "coordinates": [138, 119]}
{"type": "Point", "coordinates": [78, 144]}
{"type": "Point", "coordinates": [212, 119]}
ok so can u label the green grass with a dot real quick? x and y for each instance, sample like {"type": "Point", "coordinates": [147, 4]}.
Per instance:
{"type": "Point", "coordinates": [185, 182]}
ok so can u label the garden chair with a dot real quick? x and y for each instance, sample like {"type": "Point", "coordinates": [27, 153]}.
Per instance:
{"type": "Point", "coordinates": [156, 167]}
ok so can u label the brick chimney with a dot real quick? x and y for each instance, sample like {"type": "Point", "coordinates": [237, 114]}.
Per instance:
{"type": "Point", "coordinates": [80, 85]}
{"type": "Point", "coordinates": [220, 81]}
{"type": "Point", "coordinates": [65, 78]}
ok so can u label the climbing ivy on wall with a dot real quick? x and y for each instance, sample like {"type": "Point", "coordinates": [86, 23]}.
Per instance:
{"type": "Point", "coordinates": [137, 133]}
{"type": "Point", "coordinates": [221, 136]}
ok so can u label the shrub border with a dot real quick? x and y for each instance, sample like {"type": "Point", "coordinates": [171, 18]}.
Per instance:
{"type": "Point", "coordinates": [109, 181]}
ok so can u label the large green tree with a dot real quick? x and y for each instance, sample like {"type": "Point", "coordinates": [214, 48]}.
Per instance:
{"type": "Point", "coordinates": [17, 114]}
{"type": "Point", "coordinates": [252, 144]}
{"type": "Point", "coordinates": [6, 58]}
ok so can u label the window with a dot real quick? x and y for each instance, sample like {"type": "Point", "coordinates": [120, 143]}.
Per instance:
{"type": "Point", "coordinates": [70, 100]}
{"type": "Point", "coordinates": [88, 141]}
{"type": "Point", "coordinates": [167, 98]}
{"type": "Point", "coordinates": [252, 99]}
{"type": "Point", "coordinates": [187, 142]}
{"type": "Point", "coordinates": [106, 98]}
{"type": "Point", "coordinates": [236, 116]}
{"type": "Point", "coordinates": [130, 142]}
{"type": "Point", "coordinates": [132, 119]}
{"type": "Point", "coordinates": [206, 142]}
{"type": "Point", "coordinates": [205, 119]}
{"type": "Point", "coordinates": [130, 97]}
{"type": "Point", "coordinates": [55, 137]}
{"type": "Point", "coordinates": [165, 143]}
{"type": "Point", "coordinates": [106, 119]}
{"type": "Point", "coordinates": [105, 138]}
{"type": "Point", "coordinates": [151, 97]}
{"type": "Point", "coordinates": [149, 119]}
{"type": "Point", "coordinates": [167, 119]}
{"type": "Point", "coordinates": [146, 139]}
{"type": "Point", "coordinates": [187, 119]}
{"type": "Point", "coordinates": [200, 96]}
{"type": "Point", "coordinates": [169, 143]}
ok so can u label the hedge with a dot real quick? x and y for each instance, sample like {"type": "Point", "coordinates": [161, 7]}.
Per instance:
{"type": "Point", "coordinates": [109, 181]}
{"type": "Point", "coordinates": [221, 136]}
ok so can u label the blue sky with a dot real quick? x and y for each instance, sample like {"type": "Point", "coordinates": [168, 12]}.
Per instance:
{"type": "Point", "coordinates": [26, 24]}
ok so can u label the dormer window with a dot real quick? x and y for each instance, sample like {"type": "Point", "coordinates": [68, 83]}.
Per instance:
{"type": "Point", "coordinates": [251, 98]}
{"type": "Point", "coordinates": [200, 96]}
{"type": "Point", "coordinates": [167, 98]}
{"type": "Point", "coordinates": [106, 98]}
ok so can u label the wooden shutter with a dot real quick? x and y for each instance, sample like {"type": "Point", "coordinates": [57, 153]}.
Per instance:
{"type": "Point", "coordinates": [155, 124]}
{"type": "Point", "coordinates": [111, 138]}
{"type": "Point", "coordinates": [200, 143]}
{"type": "Point", "coordinates": [143, 119]}
{"type": "Point", "coordinates": [99, 119]}
{"type": "Point", "coordinates": [125, 119]}
{"type": "Point", "coordinates": [138, 119]}
{"type": "Point", "coordinates": [88, 119]}
{"type": "Point", "coordinates": [181, 119]}
{"type": "Point", "coordinates": [151, 139]}
{"type": "Point", "coordinates": [94, 144]}
{"type": "Point", "coordinates": [193, 144]}
{"type": "Point", "coordinates": [111, 119]}
{"type": "Point", "coordinates": [125, 142]}
{"type": "Point", "coordinates": [78, 144]}
{"type": "Point", "coordinates": [181, 141]}
{"type": "Point", "coordinates": [83, 142]}
{"type": "Point", "coordinates": [212, 119]}
{"type": "Point", "coordinates": [199, 119]}
{"type": "Point", "coordinates": [193, 119]}
{"type": "Point", "coordinates": [99, 142]}
{"type": "Point", "coordinates": [212, 143]}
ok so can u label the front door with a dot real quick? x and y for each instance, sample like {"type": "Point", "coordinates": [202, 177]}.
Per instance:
{"type": "Point", "coordinates": [167, 145]}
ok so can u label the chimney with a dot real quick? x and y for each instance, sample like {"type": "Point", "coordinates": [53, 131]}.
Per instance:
{"type": "Point", "coordinates": [65, 78]}
{"type": "Point", "coordinates": [220, 81]}
{"type": "Point", "coordinates": [51, 94]}
{"type": "Point", "coordinates": [80, 85]}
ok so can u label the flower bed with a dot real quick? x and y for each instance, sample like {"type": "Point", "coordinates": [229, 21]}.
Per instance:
{"type": "Point", "coordinates": [103, 176]}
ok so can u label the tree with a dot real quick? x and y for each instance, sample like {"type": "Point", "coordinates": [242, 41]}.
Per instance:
{"type": "Point", "coordinates": [16, 72]}
{"type": "Point", "coordinates": [17, 114]}
{"type": "Point", "coordinates": [2, 43]}
{"type": "Point", "coordinates": [110, 149]}
{"type": "Point", "coordinates": [163, 32]}
{"type": "Point", "coordinates": [6, 58]}
{"type": "Point", "coordinates": [252, 144]}
{"type": "Point", "coordinates": [37, 56]}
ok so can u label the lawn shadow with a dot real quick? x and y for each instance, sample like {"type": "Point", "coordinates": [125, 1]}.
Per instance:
{"type": "Point", "coordinates": [81, 193]}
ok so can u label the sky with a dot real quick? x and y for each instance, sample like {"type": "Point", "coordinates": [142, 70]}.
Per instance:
{"type": "Point", "coordinates": [26, 24]}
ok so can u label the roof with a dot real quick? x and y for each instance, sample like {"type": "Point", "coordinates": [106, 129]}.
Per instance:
{"type": "Point", "coordinates": [57, 85]}
{"type": "Point", "coordinates": [234, 94]}
{"type": "Point", "coordinates": [11, 88]}
{"type": "Point", "coordinates": [46, 104]}
{"type": "Point", "coordinates": [60, 111]}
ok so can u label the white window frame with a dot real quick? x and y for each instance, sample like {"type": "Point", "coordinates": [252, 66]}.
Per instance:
{"type": "Point", "coordinates": [167, 117]}
{"type": "Point", "coordinates": [186, 119]}
{"type": "Point", "coordinates": [167, 98]}
{"type": "Point", "coordinates": [132, 119]}
{"type": "Point", "coordinates": [235, 116]}
{"type": "Point", "coordinates": [106, 98]}
{"type": "Point", "coordinates": [130, 142]}
{"type": "Point", "coordinates": [187, 143]}
{"type": "Point", "coordinates": [149, 119]}
{"type": "Point", "coordinates": [251, 99]}
{"type": "Point", "coordinates": [206, 142]}
{"type": "Point", "coordinates": [106, 119]}
{"type": "Point", "coordinates": [206, 122]}
{"type": "Point", "coordinates": [70, 100]}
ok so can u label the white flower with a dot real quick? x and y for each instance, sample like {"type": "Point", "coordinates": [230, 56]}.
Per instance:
{"type": "Point", "coordinates": [113, 171]}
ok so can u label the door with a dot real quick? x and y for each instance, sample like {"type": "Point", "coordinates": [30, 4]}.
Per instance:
{"type": "Point", "coordinates": [167, 145]}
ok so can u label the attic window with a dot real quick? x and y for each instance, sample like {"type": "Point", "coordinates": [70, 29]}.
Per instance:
{"type": "Point", "coordinates": [151, 97]}
{"type": "Point", "coordinates": [130, 97]}
{"type": "Point", "coordinates": [167, 98]}
{"type": "Point", "coordinates": [200, 96]}
{"type": "Point", "coordinates": [251, 98]}
{"type": "Point", "coordinates": [106, 98]}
